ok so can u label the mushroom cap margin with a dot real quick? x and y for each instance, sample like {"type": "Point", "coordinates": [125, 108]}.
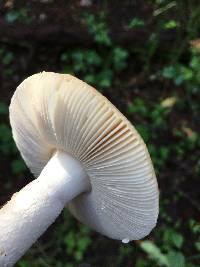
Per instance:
{"type": "Point", "coordinates": [51, 111]}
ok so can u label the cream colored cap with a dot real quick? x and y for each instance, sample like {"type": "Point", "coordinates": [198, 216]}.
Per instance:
{"type": "Point", "coordinates": [50, 112]}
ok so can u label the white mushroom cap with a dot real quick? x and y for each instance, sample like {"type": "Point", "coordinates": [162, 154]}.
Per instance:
{"type": "Point", "coordinates": [51, 112]}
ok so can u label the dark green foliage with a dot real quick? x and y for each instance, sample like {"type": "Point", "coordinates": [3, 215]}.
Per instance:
{"type": "Point", "coordinates": [20, 15]}
{"type": "Point", "coordinates": [7, 145]}
{"type": "Point", "coordinates": [97, 67]}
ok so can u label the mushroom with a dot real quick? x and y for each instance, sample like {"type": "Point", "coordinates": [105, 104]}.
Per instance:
{"type": "Point", "coordinates": [87, 156]}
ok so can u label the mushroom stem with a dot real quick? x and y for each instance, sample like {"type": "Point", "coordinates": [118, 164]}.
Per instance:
{"type": "Point", "coordinates": [33, 209]}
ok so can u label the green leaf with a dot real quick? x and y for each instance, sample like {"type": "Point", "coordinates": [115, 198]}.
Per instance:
{"type": "Point", "coordinates": [11, 17]}
{"type": "Point", "coordinates": [187, 73]}
{"type": "Point", "coordinates": [136, 22]}
{"type": "Point", "coordinates": [197, 245]}
{"type": "Point", "coordinates": [138, 106]}
{"type": "Point", "coordinates": [119, 58]}
{"type": "Point", "coordinates": [164, 153]}
{"type": "Point", "coordinates": [143, 131]}
{"type": "Point", "coordinates": [64, 57]}
{"type": "Point", "coordinates": [176, 259]}
{"type": "Point", "coordinates": [173, 238]}
{"type": "Point", "coordinates": [70, 241]}
{"type": "Point", "coordinates": [7, 145]}
{"type": "Point", "coordinates": [90, 78]}
{"type": "Point", "coordinates": [3, 109]}
{"type": "Point", "coordinates": [171, 24]}
{"type": "Point", "coordinates": [23, 263]}
{"type": "Point", "coordinates": [195, 63]}
{"type": "Point", "coordinates": [104, 78]}
{"type": "Point", "coordinates": [20, 15]}
{"type": "Point", "coordinates": [99, 29]}
{"type": "Point", "coordinates": [83, 243]}
{"type": "Point", "coordinates": [194, 226]}
{"type": "Point", "coordinates": [179, 80]}
{"type": "Point", "coordinates": [92, 58]}
{"type": "Point", "coordinates": [78, 255]}
{"type": "Point", "coordinates": [7, 58]}
{"type": "Point", "coordinates": [154, 253]}
{"type": "Point", "coordinates": [178, 240]}
{"type": "Point", "coordinates": [18, 166]}
{"type": "Point", "coordinates": [169, 72]}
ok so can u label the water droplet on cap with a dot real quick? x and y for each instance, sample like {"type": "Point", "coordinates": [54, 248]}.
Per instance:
{"type": "Point", "coordinates": [125, 240]}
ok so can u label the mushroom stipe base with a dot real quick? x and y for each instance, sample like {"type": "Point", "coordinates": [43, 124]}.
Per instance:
{"type": "Point", "coordinates": [33, 209]}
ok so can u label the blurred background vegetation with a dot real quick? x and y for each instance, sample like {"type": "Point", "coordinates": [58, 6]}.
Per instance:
{"type": "Point", "coordinates": [144, 56]}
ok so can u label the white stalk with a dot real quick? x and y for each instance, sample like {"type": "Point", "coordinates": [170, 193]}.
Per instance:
{"type": "Point", "coordinates": [33, 209]}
